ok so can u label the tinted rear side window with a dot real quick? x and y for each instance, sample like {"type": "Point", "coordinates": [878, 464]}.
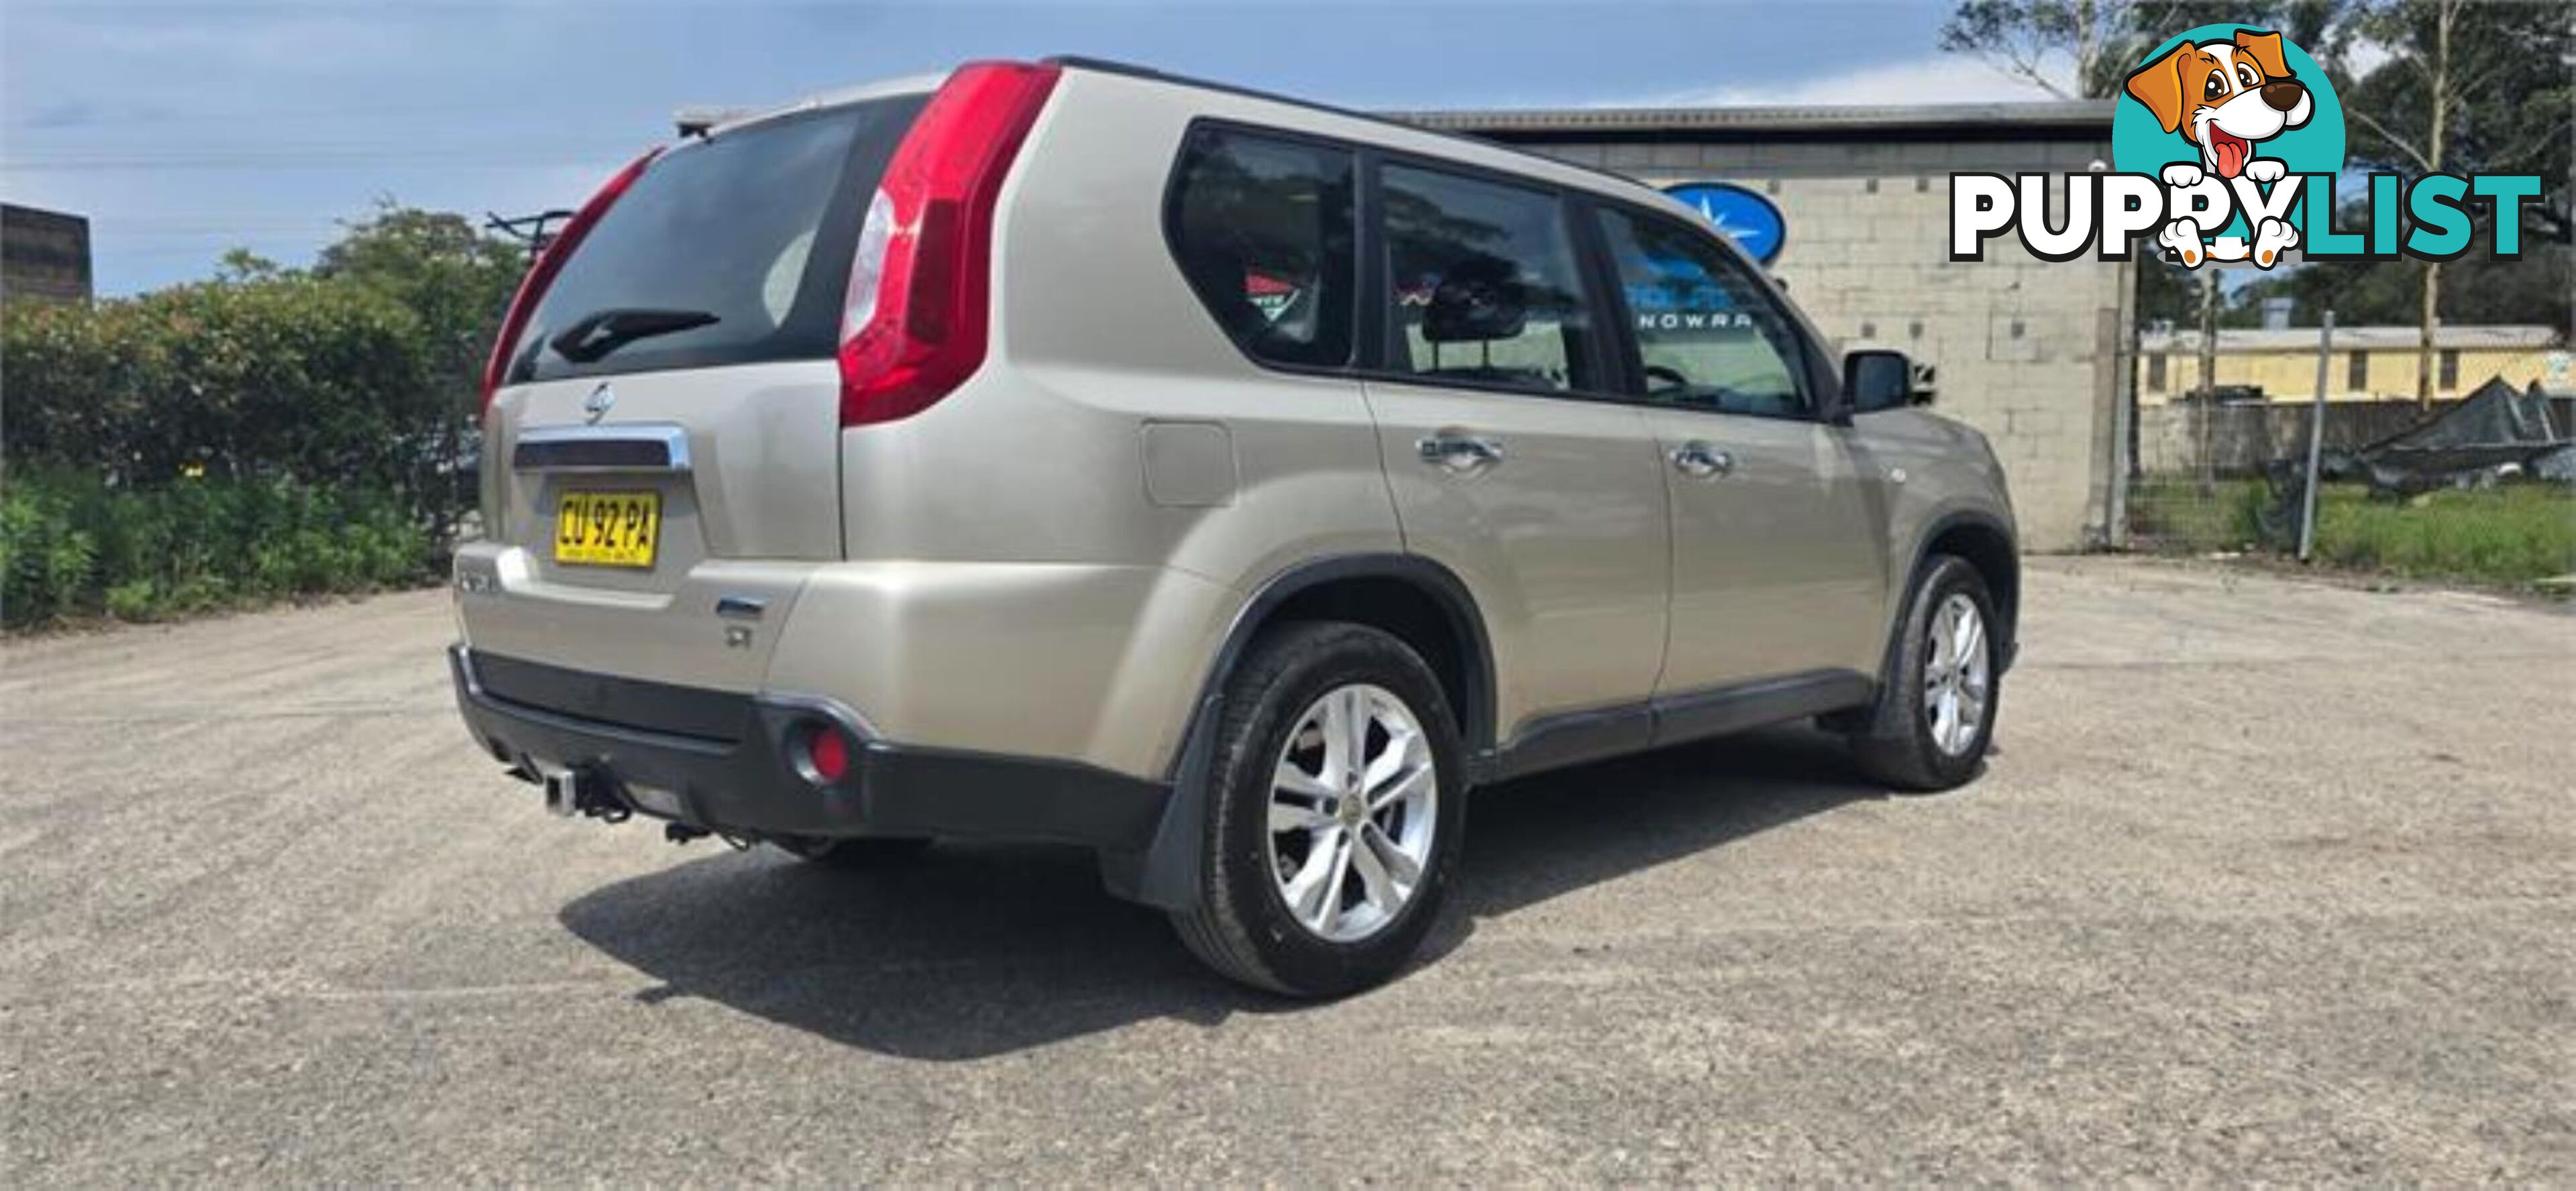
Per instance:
{"type": "Point", "coordinates": [1482, 284]}
{"type": "Point", "coordinates": [755, 227]}
{"type": "Point", "coordinates": [1262, 227]}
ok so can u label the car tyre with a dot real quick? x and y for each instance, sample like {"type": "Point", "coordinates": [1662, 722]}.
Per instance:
{"type": "Point", "coordinates": [1916, 737]}
{"type": "Point", "coordinates": [1299, 689]}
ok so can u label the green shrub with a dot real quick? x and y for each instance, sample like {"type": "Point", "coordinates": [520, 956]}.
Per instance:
{"type": "Point", "coordinates": [274, 433]}
{"type": "Point", "coordinates": [73, 545]}
{"type": "Point", "coordinates": [286, 375]}
{"type": "Point", "coordinates": [2518, 533]}
{"type": "Point", "coordinates": [45, 560]}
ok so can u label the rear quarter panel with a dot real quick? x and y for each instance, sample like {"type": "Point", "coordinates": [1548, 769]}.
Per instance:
{"type": "Point", "coordinates": [1024, 495]}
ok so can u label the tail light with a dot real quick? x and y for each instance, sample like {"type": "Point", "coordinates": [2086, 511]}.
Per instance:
{"type": "Point", "coordinates": [827, 755]}
{"type": "Point", "coordinates": [919, 309]}
{"type": "Point", "coordinates": [550, 262]}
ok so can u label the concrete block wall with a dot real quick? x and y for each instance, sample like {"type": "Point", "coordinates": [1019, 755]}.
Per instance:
{"type": "Point", "coordinates": [2028, 351]}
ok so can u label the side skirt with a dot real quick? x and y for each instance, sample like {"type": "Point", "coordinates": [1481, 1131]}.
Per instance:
{"type": "Point", "coordinates": [1576, 737]}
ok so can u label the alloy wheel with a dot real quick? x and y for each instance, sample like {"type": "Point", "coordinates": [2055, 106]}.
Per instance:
{"type": "Point", "coordinates": [1957, 677]}
{"type": "Point", "coordinates": [1354, 800]}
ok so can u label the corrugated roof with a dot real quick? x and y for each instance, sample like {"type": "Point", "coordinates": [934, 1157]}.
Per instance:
{"type": "Point", "coordinates": [2504, 338]}
{"type": "Point", "coordinates": [2090, 117]}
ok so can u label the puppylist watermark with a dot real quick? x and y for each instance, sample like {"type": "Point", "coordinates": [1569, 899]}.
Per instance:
{"type": "Point", "coordinates": [2228, 145]}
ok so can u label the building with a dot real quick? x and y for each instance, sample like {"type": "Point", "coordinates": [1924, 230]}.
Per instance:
{"type": "Point", "coordinates": [2366, 363]}
{"type": "Point", "coordinates": [2034, 353]}
{"type": "Point", "coordinates": [43, 254]}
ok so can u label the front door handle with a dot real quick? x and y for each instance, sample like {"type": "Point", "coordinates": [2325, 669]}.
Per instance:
{"type": "Point", "coordinates": [1701, 460]}
{"type": "Point", "coordinates": [1460, 453]}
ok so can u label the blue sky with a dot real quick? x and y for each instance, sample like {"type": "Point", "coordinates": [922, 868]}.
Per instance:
{"type": "Point", "coordinates": [182, 129]}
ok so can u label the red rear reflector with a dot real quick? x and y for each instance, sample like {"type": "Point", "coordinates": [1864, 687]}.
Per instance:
{"type": "Point", "coordinates": [550, 262]}
{"type": "Point", "coordinates": [827, 753]}
{"type": "Point", "coordinates": [919, 308]}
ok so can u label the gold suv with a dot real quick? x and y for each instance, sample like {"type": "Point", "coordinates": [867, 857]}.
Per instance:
{"type": "Point", "coordinates": [1064, 451]}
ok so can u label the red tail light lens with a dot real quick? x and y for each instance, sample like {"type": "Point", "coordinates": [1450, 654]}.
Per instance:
{"type": "Point", "coordinates": [550, 262]}
{"type": "Point", "coordinates": [828, 753]}
{"type": "Point", "coordinates": [920, 299]}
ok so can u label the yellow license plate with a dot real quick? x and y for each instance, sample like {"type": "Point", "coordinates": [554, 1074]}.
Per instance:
{"type": "Point", "coordinates": [608, 529]}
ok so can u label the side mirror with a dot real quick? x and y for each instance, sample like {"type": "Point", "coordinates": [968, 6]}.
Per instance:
{"type": "Point", "coordinates": [1875, 379]}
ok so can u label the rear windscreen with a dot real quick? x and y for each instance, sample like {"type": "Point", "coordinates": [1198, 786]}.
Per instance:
{"type": "Point", "coordinates": [731, 250]}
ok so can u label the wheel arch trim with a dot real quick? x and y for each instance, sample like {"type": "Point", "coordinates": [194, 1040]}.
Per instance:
{"type": "Point", "coordinates": [2009, 638]}
{"type": "Point", "coordinates": [1465, 620]}
{"type": "Point", "coordinates": [1166, 874]}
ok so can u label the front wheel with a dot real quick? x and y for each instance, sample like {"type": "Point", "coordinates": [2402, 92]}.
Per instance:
{"type": "Point", "coordinates": [1335, 810]}
{"type": "Point", "coordinates": [1936, 707]}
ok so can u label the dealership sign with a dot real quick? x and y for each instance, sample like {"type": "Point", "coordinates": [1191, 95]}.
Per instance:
{"type": "Point", "coordinates": [1750, 218]}
{"type": "Point", "coordinates": [2227, 144]}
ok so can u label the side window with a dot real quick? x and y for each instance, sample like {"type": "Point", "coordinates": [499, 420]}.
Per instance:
{"type": "Point", "coordinates": [1262, 227]}
{"type": "Point", "coordinates": [1708, 336]}
{"type": "Point", "coordinates": [1481, 284]}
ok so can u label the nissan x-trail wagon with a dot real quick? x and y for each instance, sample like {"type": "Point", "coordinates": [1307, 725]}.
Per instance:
{"type": "Point", "coordinates": [1066, 452]}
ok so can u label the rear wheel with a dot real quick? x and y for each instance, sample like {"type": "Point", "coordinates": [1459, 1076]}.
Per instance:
{"type": "Point", "coordinates": [1335, 811]}
{"type": "Point", "coordinates": [1936, 708]}
{"type": "Point", "coordinates": [858, 853]}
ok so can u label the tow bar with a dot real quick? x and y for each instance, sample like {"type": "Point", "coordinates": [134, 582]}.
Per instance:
{"type": "Point", "coordinates": [582, 791]}
{"type": "Point", "coordinates": [579, 792]}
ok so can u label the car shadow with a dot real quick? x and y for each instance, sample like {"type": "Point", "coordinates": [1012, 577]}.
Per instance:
{"type": "Point", "coordinates": [976, 950]}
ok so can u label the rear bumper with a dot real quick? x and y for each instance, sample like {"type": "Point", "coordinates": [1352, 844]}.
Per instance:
{"type": "Point", "coordinates": [722, 761]}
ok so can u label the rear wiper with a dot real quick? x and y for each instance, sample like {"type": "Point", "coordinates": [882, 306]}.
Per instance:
{"type": "Point", "coordinates": [603, 331]}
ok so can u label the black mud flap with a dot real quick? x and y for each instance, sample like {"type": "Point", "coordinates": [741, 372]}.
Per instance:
{"type": "Point", "coordinates": [1166, 874]}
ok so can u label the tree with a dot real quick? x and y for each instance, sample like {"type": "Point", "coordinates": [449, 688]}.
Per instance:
{"type": "Point", "coordinates": [2427, 86]}
{"type": "Point", "coordinates": [2166, 292]}
{"type": "Point", "coordinates": [457, 279]}
{"type": "Point", "coordinates": [2084, 49]}
{"type": "Point", "coordinates": [2465, 88]}
{"type": "Point", "coordinates": [451, 273]}
{"type": "Point", "coordinates": [242, 264]}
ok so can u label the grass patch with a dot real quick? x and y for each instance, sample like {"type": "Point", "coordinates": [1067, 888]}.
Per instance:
{"type": "Point", "coordinates": [2513, 535]}
{"type": "Point", "coordinates": [2174, 515]}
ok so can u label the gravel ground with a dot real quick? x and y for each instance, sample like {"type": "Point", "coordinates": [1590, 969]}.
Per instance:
{"type": "Point", "coordinates": [2268, 880]}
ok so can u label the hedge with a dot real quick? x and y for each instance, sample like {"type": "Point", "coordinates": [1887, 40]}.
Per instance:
{"type": "Point", "coordinates": [74, 547]}
{"type": "Point", "coordinates": [222, 443]}
{"type": "Point", "coordinates": [285, 376]}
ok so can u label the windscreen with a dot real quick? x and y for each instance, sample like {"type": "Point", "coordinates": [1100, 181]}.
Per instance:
{"type": "Point", "coordinates": [731, 250]}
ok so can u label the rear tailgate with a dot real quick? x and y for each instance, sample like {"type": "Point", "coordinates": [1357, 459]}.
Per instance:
{"type": "Point", "coordinates": [740, 464]}
{"type": "Point", "coordinates": [663, 452]}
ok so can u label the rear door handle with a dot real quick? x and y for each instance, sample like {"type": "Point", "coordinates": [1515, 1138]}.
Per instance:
{"type": "Point", "coordinates": [1701, 460]}
{"type": "Point", "coordinates": [1460, 453]}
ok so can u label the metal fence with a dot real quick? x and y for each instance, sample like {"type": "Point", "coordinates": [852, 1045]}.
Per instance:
{"type": "Point", "coordinates": [2217, 472]}
{"type": "Point", "coordinates": [2482, 487]}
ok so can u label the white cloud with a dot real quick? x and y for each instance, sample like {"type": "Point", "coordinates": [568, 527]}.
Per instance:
{"type": "Point", "coordinates": [1949, 78]}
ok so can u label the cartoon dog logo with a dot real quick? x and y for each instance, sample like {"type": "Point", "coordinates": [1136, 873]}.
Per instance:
{"type": "Point", "coordinates": [2225, 97]}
